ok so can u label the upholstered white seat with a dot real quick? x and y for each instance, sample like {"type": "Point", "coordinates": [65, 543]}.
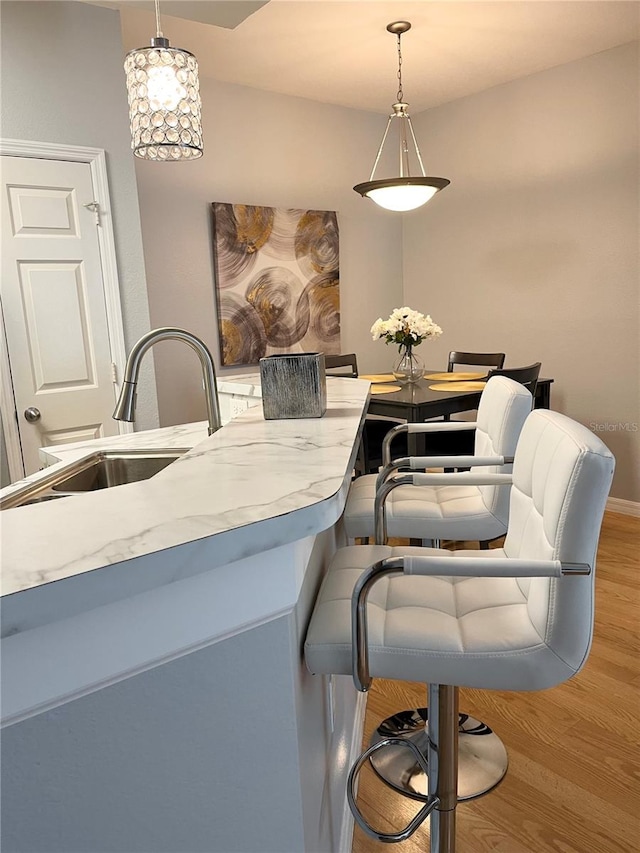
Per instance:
{"type": "Point", "coordinates": [456, 628]}
{"type": "Point", "coordinates": [455, 511]}
{"type": "Point", "coordinates": [506, 619]}
{"type": "Point", "coordinates": [435, 512]}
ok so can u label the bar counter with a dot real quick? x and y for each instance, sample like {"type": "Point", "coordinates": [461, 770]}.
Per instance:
{"type": "Point", "coordinates": [154, 692]}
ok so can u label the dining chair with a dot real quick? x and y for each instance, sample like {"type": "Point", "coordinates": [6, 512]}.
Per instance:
{"type": "Point", "coordinates": [477, 359]}
{"type": "Point", "coordinates": [527, 376]}
{"type": "Point", "coordinates": [516, 618]}
{"type": "Point", "coordinates": [337, 363]}
{"type": "Point", "coordinates": [455, 505]}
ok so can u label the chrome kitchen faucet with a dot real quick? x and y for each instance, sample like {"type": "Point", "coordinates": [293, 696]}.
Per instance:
{"type": "Point", "coordinates": [125, 407]}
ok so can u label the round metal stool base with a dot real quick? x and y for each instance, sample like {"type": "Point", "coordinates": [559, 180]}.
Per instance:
{"type": "Point", "coordinates": [482, 757]}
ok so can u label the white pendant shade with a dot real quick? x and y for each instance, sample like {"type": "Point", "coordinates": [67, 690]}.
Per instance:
{"type": "Point", "coordinates": [402, 198]}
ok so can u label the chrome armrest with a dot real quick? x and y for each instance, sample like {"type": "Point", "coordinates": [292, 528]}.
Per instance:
{"type": "Point", "coordinates": [437, 565]}
{"type": "Point", "coordinates": [359, 626]}
{"type": "Point", "coordinates": [422, 462]}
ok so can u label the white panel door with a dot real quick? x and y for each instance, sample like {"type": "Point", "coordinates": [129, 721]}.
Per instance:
{"type": "Point", "coordinates": [53, 305]}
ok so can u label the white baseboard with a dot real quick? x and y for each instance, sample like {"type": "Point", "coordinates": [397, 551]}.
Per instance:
{"type": "Point", "coordinates": [347, 823]}
{"type": "Point", "coordinates": [623, 507]}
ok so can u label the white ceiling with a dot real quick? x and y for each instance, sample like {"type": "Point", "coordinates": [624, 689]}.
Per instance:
{"type": "Point", "coordinates": [341, 53]}
{"type": "Point", "coordinates": [220, 13]}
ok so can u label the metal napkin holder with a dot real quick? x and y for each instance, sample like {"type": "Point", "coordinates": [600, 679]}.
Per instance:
{"type": "Point", "coordinates": [294, 385]}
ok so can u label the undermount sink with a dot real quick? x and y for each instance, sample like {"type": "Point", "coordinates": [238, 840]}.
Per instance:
{"type": "Point", "coordinates": [104, 470]}
{"type": "Point", "coordinates": [101, 470]}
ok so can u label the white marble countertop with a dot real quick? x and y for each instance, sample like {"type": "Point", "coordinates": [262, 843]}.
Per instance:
{"type": "Point", "coordinates": [253, 485]}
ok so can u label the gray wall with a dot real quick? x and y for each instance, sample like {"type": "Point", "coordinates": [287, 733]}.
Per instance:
{"type": "Point", "coordinates": [264, 149]}
{"type": "Point", "coordinates": [63, 82]}
{"type": "Point", "coordinates": [534, 249]}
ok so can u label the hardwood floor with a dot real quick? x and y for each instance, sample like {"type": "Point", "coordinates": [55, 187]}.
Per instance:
{"type": "Point", "coordinates": [573, 784]}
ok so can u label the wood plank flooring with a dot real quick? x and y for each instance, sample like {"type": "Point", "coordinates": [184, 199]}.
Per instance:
{"type": "Point", "coordinates": [573, 784]}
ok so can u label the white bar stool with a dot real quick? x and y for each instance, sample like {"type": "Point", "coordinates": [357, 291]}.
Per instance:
{"type": "Point", "coordinates": [515, 618]}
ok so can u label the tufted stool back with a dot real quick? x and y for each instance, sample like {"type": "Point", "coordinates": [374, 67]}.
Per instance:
{"type": "Point", "coordinates": [504, 406]}
{"type": "Point", "coordinates": [561, 479]}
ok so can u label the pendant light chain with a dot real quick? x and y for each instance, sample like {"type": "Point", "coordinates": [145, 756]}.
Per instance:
{"type": "Point", "coordinates": [400, 94]}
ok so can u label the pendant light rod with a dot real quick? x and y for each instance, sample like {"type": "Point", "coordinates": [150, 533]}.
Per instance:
{"type": "Point", "coordinates": [384, 139]}
{"type": "Point", "coordinates": [404, 151]}
{"type": "Point", "coordinates": [158, 30]}
{"type": "Point", "coordinates": [404, 192]}
{"type": "Point", "coordinates": [415, 142]}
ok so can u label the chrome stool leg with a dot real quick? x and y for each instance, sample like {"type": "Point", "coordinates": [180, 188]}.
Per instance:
{"type": "Point", "coordinates": [482, 757]}
{"type": "Point", "coordinates": [442, 758]}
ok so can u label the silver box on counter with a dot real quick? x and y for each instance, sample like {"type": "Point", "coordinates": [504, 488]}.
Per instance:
{"type": "Point", "coordinates": [294, 385]}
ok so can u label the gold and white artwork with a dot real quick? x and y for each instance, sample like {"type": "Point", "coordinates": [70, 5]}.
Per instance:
{"type": "Point", "coordinates": [277, 281]}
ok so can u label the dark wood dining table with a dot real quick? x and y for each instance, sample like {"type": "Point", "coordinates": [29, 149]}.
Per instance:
{"type": "Point", "coordinates": [416, 403]}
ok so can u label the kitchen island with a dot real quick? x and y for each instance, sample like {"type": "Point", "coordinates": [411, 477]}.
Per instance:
{"type": "Point", "coordinates": [154, 691]}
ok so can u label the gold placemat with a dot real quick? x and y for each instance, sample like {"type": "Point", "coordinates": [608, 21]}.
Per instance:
{"type": "Point", "coordinates": [458, 386]}
{"type": "Point", "coordinates": [457, 376]}
{"type": "Point", "coordinates": [384, 389]}
{"type": "Point", "coordinates": [377, 377]}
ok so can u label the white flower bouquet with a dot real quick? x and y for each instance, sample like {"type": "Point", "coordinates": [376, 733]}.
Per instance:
{"type": "Point", "coordinates": [406, 328]}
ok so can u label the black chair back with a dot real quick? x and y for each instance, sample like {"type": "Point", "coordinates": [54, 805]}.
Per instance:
{"type": "Point", "coordinates": [527, 376]}
{"type": "Point", "coordinates": [336, 362]}
{"type": "Point", "coordinates": [483, 359]}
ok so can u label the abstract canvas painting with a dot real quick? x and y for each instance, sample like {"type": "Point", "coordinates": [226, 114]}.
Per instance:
{"type": "Point", "coordinates": [277, 281]}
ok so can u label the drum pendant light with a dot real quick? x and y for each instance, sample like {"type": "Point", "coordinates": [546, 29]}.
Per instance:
{"type": "Point", "coordinates": [164, 100]}
{"type": "Point", "coordinates": [404, 192]}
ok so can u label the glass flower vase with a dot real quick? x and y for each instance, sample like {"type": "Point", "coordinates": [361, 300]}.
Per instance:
{"type": "Point", "coordinates": [409, 367]}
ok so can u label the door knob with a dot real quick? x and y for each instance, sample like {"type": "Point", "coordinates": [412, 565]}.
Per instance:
{"type": "Point", "coordinates": [32, 414]}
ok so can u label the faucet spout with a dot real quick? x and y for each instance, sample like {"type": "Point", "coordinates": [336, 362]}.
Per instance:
{"type": "Point", "coordinates": [125, 407]}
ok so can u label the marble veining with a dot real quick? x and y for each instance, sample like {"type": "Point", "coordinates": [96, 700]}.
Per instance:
{"type": "Point", "coordinates": [254, 485]}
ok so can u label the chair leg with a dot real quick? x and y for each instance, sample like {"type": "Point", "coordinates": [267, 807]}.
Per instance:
{"type": "Point", "coordinates": [442, 758]}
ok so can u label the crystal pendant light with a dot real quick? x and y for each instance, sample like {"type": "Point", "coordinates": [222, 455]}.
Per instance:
{"type": "Point", "coordinates": [404, 192]}
{"type": "Point", "coordinates": [164, 100]}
